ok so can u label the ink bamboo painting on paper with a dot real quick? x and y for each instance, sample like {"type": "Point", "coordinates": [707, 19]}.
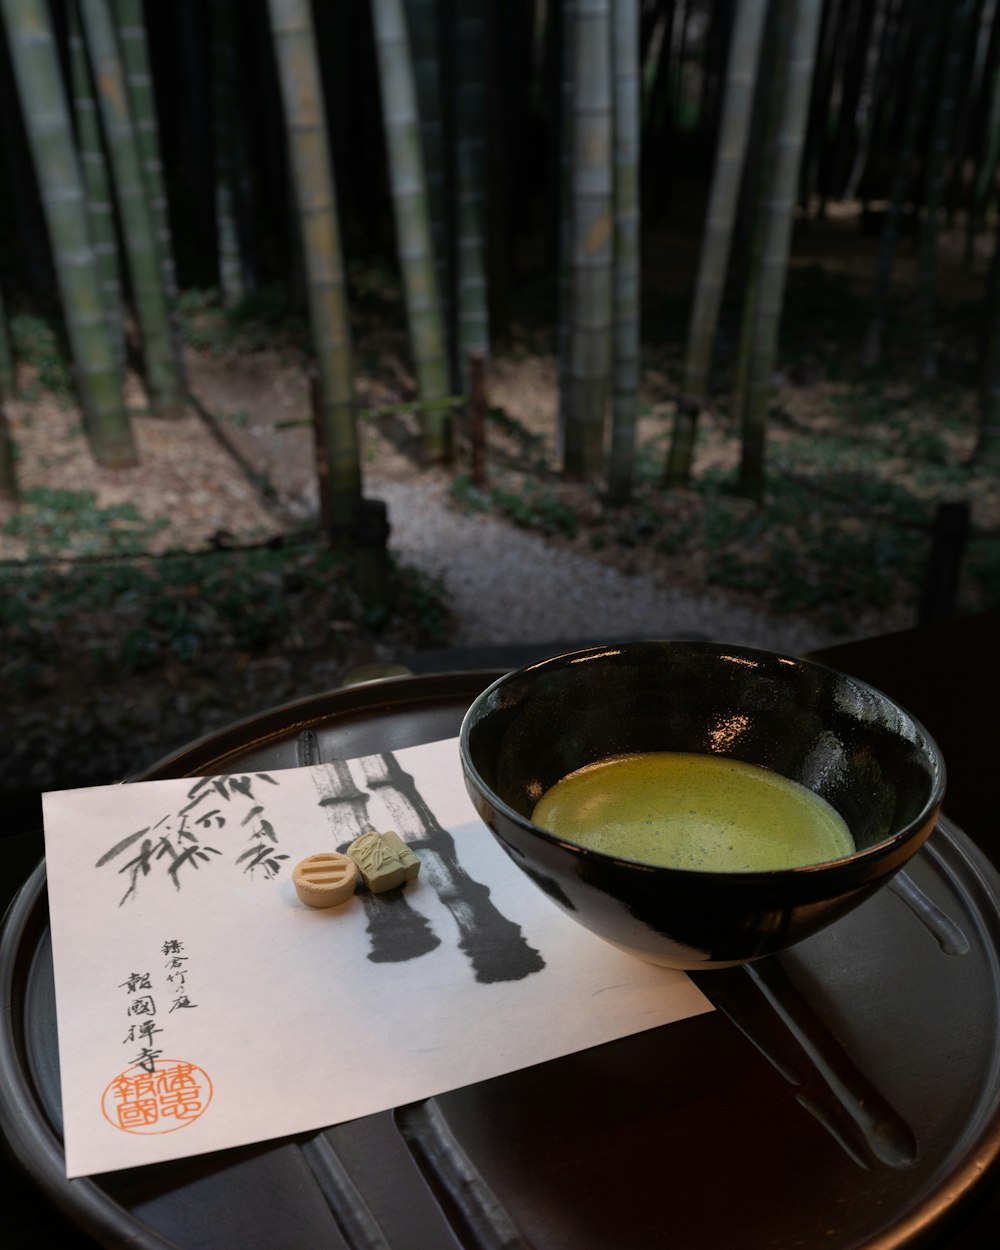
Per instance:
{"type": "Point", "coordinates": [195, 937]}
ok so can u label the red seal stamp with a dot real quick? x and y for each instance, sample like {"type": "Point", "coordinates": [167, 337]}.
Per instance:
{"type": "Point", "coordinates": [168, 1097]}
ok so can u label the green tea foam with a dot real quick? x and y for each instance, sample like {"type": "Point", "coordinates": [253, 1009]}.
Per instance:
{"type": "Point", "coordinates": [708, 813]}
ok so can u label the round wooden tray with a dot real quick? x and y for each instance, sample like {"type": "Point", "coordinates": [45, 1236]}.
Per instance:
{"type": "Point", "coordinates": [846, 1095]}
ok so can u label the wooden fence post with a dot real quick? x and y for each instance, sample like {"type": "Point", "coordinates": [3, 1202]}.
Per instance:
{"type": "Point", "coordinates": [365, 537]}
{"type": "Point", "coordinates": [477, 416]}
{"type": "Point", "coordinates": [948, 537]}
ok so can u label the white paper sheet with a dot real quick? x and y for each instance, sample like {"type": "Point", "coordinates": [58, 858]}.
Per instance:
{"type": "Point", "coordinates": [200, 1005]}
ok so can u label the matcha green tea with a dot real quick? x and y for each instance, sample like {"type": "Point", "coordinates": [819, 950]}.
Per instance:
{"type": "Point", "coordinates": [684, 810]}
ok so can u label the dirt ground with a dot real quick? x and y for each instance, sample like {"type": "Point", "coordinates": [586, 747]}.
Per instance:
{"type": "Point", "coordinates": [249, 427]}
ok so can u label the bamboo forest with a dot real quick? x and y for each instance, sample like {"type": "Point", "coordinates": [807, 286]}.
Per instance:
{"type": "Point", "coordinates": [706, 290]}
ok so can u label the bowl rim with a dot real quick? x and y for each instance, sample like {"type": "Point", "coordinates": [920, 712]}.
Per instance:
{"type": "Point", "coordinates": [927, 816]}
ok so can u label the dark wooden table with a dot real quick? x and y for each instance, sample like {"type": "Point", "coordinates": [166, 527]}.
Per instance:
{"type": "Point", "coordinates": [946, 674]}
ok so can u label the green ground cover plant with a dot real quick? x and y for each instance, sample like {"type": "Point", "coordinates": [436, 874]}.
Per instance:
{"type": "Point", "coordinates": [855, 475]}
{"type": "Point", "coordinates": [70, 523]}
{"type": "Point", "coordinates": [105, 619]}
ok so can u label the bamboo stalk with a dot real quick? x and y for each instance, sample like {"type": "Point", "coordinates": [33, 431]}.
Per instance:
{"type": "Point", "coordinates": [888, 92]}
{"type": "Point", "coordinates": [8, 455]}
{"type": "Point", "coordinates": [428, 80]}
{"type": "Point", "coordinates": [564, 240]}
{"type": "Point", "coordinates": [46, 113]}
{"type": "Point", "coordinates": [856, 24]}
{"type": "Point", "coordinates": [100, 201]}
{"type": "Point", "coordinates": [164, 383]}
{"type": "Point", "coordinates": [477, 418]}
{"type": "Point", "coordinates": [816, 129]}
{"type": "Point", "coordinates": [413, 237]}
{"type": "Point", "coordinates": [986, 172]}
{"type": "Point", "coordinates": [939, 145]}
{"type": "Point", "coordinates": [7, 371]}
{"type": "Point", "coordinates": [760, 175]}
{"type": "Point", "coordinates": [780, 197]}
{"type": "Point", "coordinates": [899, 187]}
{"type": "Point", "coordinates": [473, 321]}
{"type": "Point", "coordinates": [980, 51]}
{"type": "Point", "coordinates": [139, 80]}
{"type": "Point", "coordinates": [627, 274]}
{"type": "Point", "coordinates": [987, 449]}
{"type": "Point", "coordinates": [8, 460]}
{"type": "Point", "coordinates": [229, 157]}
{"type": "Point", "coordinates": [315, 191]}
{"type": "Point", "coordinates": [864, 116]}
{"type": "Point", "coordinates": [592, 239]}
{"type": "Point", "coordinates": [142, 100]}
{"type": "Point", "coordinates": [984, 160]}
{"type": "Point", "coordinates": [734, 134]}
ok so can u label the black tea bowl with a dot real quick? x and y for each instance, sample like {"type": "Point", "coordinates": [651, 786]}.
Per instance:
{"type": "Point", "coordinates": [839, 737]}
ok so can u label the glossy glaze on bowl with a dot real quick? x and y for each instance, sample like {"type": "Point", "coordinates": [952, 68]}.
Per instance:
{"type": "Point", "coordinates": [841, 738]}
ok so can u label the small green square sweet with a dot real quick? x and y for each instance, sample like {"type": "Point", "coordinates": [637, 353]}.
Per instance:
{"type": "Point", "coordinates": [384, 861]}
{"type": "Point", "coordinates": [410, 861]}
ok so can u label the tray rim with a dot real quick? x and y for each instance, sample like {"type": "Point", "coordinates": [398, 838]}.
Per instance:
{"type": "Point", "coordinates": [37, 1147]}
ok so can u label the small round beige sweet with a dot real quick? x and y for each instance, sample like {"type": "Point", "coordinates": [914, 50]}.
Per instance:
{"type": "Point", "coordinates": [326, 879]}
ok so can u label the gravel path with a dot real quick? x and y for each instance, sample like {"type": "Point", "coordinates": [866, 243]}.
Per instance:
{"type": "Point", "coordinates": [507, 585]}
